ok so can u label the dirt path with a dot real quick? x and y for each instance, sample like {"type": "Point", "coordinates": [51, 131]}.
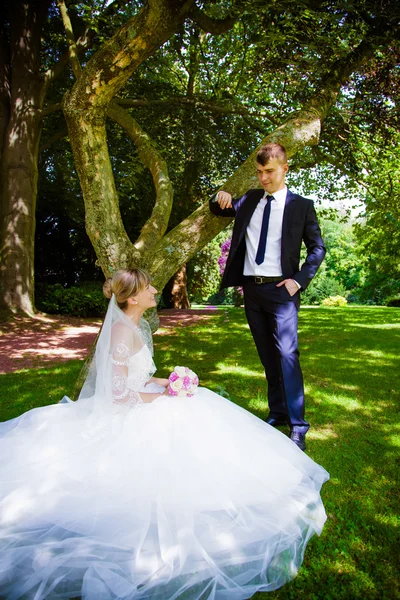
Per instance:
{"type": "Point", "coordinates": [46, 340]}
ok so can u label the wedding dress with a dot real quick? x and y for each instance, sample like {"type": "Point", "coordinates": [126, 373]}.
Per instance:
{"type": "Point", "coordinates": [182, 498]}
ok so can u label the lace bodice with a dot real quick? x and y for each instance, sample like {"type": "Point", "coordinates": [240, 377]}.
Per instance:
{"type": "Point", "coordinates": [132, 365]}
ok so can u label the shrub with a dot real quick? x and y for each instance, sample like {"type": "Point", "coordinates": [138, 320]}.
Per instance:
{"type": "Point", "coordinates": [320, 288]}
{"type": "Point", "coordinates": [393, 300]}
{"type": "Point", "coordinates": [203, 271]}
{"type": "Point", "coordinates": [228, 296]}
{"type": "Point", "coordinates": [334, 301]}
{"type": "Point", "coordinates": [85, 300]}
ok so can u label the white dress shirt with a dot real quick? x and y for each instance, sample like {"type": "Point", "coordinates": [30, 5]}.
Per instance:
{"type": "Point", "coordinates": [271, 267]}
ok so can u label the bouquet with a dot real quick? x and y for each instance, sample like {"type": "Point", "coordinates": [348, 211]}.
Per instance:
{"type": "Point", "coordinates": [182, 382]}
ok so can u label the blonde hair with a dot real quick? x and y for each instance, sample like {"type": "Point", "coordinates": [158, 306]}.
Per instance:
{"type": "Point", "coordinates": [126, 283]}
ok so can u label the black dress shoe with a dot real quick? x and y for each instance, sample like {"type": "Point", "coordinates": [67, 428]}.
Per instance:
{"type": "Point", "coordinates": [299, 439]}
{"type": "Point", "coordinates": [276, 422]}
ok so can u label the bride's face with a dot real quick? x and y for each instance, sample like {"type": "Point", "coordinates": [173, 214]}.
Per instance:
{"type": "Point", "coordinates": [145, 298]}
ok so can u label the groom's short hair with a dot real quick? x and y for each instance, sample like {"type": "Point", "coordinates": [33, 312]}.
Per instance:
{"type": "Point", "coordinates": [269, 151]}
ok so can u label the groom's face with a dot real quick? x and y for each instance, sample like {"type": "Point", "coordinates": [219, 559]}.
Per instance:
{"type": "Point", "coordinates": [272, 175]}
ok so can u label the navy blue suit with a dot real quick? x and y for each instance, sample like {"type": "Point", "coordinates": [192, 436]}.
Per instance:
{"type": "Point", "coordinates": [271, 312]}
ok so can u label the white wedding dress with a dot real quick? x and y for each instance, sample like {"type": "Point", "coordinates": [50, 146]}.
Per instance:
{"type": "Point", "coordinates": [183, 498]}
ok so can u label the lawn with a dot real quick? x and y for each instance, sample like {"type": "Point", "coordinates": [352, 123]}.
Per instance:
{"type": "Point", "coordinates": [351, 363]}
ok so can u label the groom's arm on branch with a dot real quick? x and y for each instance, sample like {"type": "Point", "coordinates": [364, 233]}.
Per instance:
{"type": "Point", "coordinates": [222, 204]}
{"type": "Point", "coordinates": [315, 248]}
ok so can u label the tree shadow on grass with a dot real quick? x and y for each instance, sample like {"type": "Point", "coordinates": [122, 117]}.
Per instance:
{"type": "Point", "coordinates": [22, 391]}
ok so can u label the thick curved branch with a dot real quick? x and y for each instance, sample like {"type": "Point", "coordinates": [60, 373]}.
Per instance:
{"type": "Point", "coordinates": [210, 25]}
{"type": "Point", "coordinates": [157, 224]}
{"type": "Point", "coordinates": [300, 130]}
{"type": "Point", "coordinates": [111, 66]}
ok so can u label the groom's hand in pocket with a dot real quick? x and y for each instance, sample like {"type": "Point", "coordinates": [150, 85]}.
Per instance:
{"type": "Point", "coordinates": [291, 286]}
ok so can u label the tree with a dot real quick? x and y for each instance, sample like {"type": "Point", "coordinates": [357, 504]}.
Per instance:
{"type": "Point", "coordinates": [294, 65]}
{"type": "Point", "coordinates": [21, 98]}
{"type": "Point", "coordinates": [91, 99]}
{"type": "Point", "coordinates": [28, 67]}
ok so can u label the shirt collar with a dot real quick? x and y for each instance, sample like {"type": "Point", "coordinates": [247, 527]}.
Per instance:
{"type": "Point", "coordinates": [279, 196]}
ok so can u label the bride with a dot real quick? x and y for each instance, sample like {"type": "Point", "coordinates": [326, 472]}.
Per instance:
{"type": "Point", "coordinates": [132, 494]}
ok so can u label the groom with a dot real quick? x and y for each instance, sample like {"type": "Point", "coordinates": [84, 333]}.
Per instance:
{"type": "Point", "coordinates": [270, 226]}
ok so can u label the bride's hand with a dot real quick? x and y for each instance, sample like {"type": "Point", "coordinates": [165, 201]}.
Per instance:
{"type": "Point", "coordinates": [160, 381]}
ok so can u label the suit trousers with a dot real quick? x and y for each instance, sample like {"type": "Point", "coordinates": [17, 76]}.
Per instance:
{"type": "Point", "coordinates": [272, 315]}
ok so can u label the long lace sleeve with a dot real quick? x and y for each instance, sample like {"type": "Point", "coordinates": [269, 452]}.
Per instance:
{"type": "Point", "coordinates": [123, 395]}
{"type": "Point", "coordinates": [132, 365]}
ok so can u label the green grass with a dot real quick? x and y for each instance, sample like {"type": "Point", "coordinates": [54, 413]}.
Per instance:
{"type": "Point", "coordinates": [351, 364]}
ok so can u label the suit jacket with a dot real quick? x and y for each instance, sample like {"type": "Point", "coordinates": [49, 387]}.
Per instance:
{"type": "Point", "coordinates": [299, 224]}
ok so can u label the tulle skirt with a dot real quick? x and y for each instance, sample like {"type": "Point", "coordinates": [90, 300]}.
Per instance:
{"type": "Point", "coordinates": [190, 498]}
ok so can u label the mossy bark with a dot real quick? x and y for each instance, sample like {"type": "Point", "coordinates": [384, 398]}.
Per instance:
{"type": "Point", "coordinates": [85, 108]}
{"type": "Point", "coordinates": [20, 148]}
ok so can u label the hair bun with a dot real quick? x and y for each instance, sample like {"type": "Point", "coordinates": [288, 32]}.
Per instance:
{"type": "Point", "coordinates": [107, 288]}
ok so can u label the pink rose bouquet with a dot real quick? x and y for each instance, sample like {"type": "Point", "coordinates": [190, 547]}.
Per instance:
{"type": "Point", "coordinates": [182, 382]}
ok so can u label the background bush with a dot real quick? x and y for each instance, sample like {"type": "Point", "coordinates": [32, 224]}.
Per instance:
{"type": "Point", "coordinates": [204, 275]}
{"type": "Point", "coordinates": [83, 300]}
{"type": "Point", "coordinates": [393, 301]}
{"type": "Point", "coordinates": [321, 287]}
{"type": "Point", "coordinates": [334, 301]}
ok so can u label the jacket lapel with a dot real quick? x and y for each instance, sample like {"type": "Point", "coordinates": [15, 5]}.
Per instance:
{"type": "Point", "coordinates": [287, 213]}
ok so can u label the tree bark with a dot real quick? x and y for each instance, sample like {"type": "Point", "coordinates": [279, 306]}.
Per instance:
{"type": "Point", "coordinates": [85, 109]}
{"type": "Point", "coordinates": [175, 291]}
{"type": "Point", "coordinates": [22, 95]}
{"type": "Point", "coordinates": [19, 171]}
{"type": "Point", "coordinates": [154, 229]}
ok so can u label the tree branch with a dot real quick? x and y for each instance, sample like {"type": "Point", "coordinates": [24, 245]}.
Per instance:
{"type": "Point", "coordinates": [111, 66]}
{"type": "Point", "coordinates": [339, 73]}
{"type": "Point", "coordinates": [54, 138]}
{"type": "Point", "coordinates": [82, 43]}
{"type": "Point", "coordinates": [157, 224]}
{"type": "Point", "coordinates": [225, 109]}
{"type": "Point", "coordinates": [210, 25]}
{"type": "Point", "coordinates": [72, 49]}
{"type": "Point", "coordinates": [301, 129]}
{"type": "Point", "coordinates": [50, 109]}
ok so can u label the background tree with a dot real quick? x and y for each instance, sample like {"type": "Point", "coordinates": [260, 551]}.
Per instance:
{"type": "Point", "coordinates": [31, 60]}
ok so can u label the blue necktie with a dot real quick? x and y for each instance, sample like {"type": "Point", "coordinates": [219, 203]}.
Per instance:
{"type": "Point", "coordinates": [264, 230]}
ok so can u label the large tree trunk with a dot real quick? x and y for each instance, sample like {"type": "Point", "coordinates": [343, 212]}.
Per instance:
{"type": "Point", "coordinates": [19, 171]}
{"type": "Point", "coordinates": [85, 109]}
{"type": "Point", "coordinates": [175, 294]}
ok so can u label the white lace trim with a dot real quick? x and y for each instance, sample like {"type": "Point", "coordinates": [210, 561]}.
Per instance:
{"type": "Point", "coordinates": [120, 354]}
{"type": "Point", "coordinates": [130, 372]}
